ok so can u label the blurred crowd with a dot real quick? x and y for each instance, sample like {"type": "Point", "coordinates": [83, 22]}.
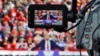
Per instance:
{"type": "Point", "coordinates": [14, 30]}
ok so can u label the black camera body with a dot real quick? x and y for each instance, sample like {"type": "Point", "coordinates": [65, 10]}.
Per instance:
{"type": "Point", "coordinates": [47, 16]}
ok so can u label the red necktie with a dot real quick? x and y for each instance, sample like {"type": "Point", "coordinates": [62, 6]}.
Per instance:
{"type": "Point", "coordinates": [47, 46]}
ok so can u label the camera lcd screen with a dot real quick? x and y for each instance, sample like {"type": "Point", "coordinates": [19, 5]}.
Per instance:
{"type": "Point", "coordinates": [48, 17]}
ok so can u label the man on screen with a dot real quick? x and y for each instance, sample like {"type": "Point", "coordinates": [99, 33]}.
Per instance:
{"type": "Point", "coordinates": [48, 16]}
{"type": "Point", "coordinates": [47, 44]}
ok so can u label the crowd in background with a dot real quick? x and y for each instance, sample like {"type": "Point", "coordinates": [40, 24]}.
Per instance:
{"type": "Point", "coordinates": [14, 30]}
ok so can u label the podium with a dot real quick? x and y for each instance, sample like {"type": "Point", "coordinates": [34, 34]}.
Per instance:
{"type": "Point", "coordinates": [48, 53]}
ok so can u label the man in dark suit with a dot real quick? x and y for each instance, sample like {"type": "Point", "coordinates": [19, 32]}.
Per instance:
{"type": "Point", "coordinates": [47, 44]}
{"type": "Point", "coordinates": [48, 16]}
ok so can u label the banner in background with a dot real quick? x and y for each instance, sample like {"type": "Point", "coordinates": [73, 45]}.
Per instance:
{"type": "Point", "coordinates": [42, 53]}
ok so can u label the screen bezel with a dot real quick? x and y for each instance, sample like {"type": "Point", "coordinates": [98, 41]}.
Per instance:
{"type": "Point", "coordinates": [31, 11]}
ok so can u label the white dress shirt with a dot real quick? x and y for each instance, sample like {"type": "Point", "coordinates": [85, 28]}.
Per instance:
{"type": "Point", "coordinates": [47, 45]}
{"type": "Point", "coordinates": [48, 17]}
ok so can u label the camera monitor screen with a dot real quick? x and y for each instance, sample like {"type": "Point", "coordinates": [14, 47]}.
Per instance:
{"type": "Point", "coordinates": [48, 17]}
